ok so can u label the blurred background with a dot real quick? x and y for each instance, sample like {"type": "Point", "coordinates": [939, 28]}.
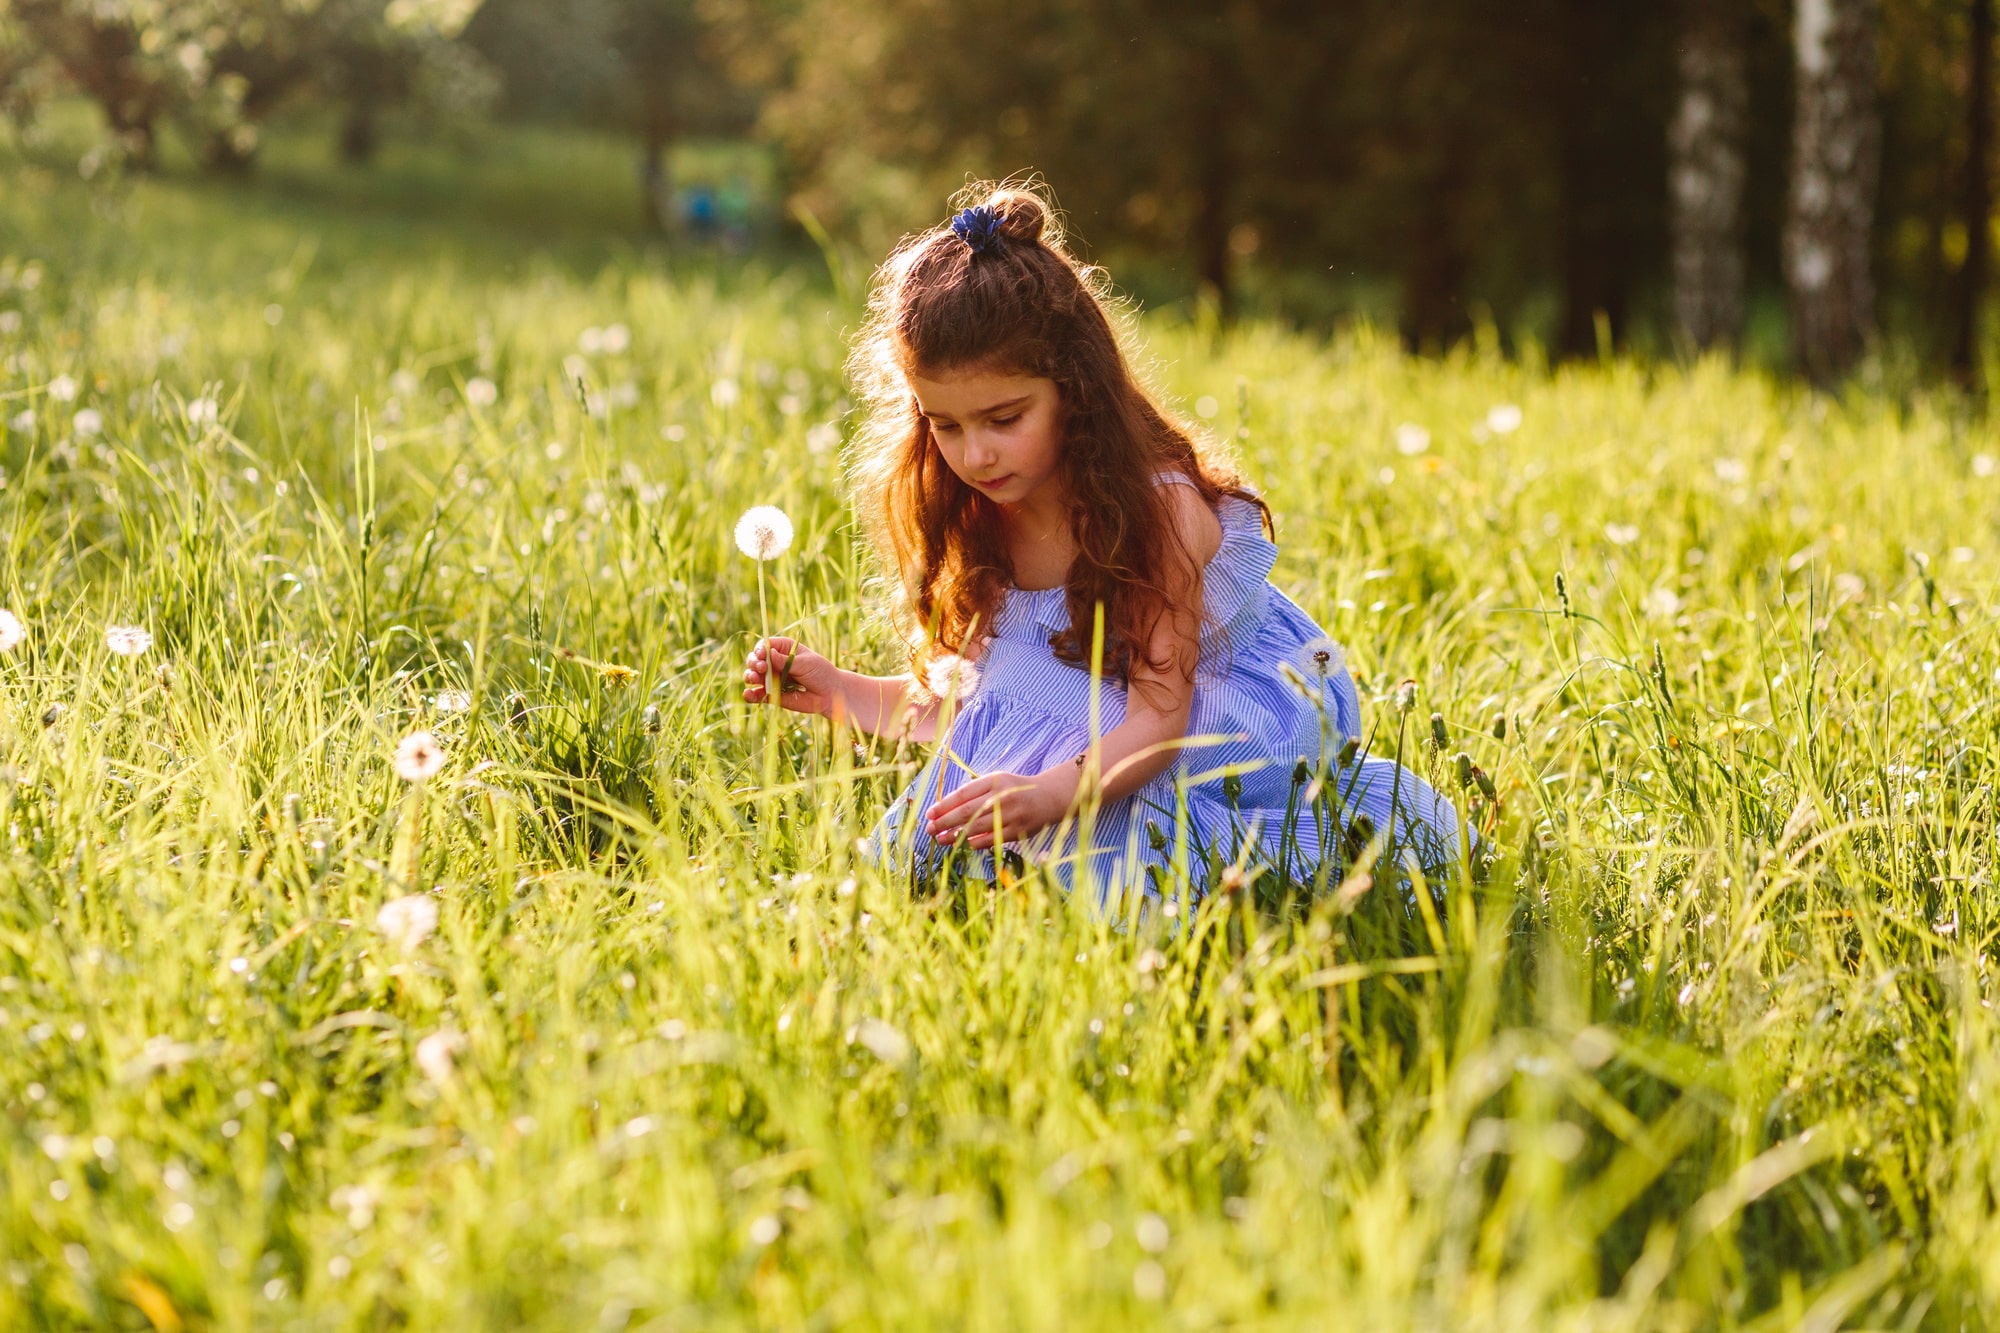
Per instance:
{"type": "Point", "coordinates": [1804, 182]}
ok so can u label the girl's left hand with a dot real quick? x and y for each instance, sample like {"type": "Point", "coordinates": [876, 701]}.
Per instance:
{"type": "Point", "coordinates": [1026, 806]}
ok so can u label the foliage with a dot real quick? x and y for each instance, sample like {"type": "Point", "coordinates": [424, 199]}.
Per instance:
{"type": "Point", "coordinates": [1711, 1046]}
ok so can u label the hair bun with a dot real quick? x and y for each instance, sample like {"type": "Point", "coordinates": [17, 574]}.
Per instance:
{"type": "Point", "coordinates": [1023, 215]}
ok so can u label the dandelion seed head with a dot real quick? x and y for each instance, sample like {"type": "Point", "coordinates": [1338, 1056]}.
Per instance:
{"type": "Point", "coordinates": [87, 423]}
{"type": "Point", "coordinates": [203, 412]}
{"type": "Point", "coordinates": [12, 632]}
{"type": "Point", "coordinates": [1503, 418]}
{"type": "Point", "coordinates": [949, 676]}
{"type": "Point", "coordinates": [453, 701]}
{"type": "Point", "coordinates": [1320, 659]}
{"type": "Point", "coordinates": [481, 392]}
{"type": "Point", "coordinates": [408, 921]}
{"type": "Point", "coordinates": [418, 757]}
{"type": "Point", "coordinates": [128, 640]}
{"type": "Point", "coordinates": [1621, 534]}
{"type": "Point", "coordinates": [764, 532]}
{"type": "Point", "coordinates": [1412, 439]}
{"type": "Point", "coordinates": [63, 389]}
{"type": "Point", "coordinates": [725, 392]}
{"type": "Point", "coordinates": [437, 1055]}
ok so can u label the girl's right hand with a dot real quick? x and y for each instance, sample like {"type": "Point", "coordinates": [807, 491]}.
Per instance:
{"type": "Point", "coordinates": [808, 681]}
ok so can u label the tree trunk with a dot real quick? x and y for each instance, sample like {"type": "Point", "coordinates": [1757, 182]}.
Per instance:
{"type": "Point", "coordinates": [1595, 254]}
{"type": "Point", "coordinates": [656, 187]}
{"type": "Point", "coordinates": [1836, 162]}
{"type": "Point", "coordinates": [359, 137]}
{"type": "Point", "coordinates": [1705, 147]}
{"type": "Point", "coordinates": [1978, 200]}
{"type": "Point", "coordinates": [1436, 260]}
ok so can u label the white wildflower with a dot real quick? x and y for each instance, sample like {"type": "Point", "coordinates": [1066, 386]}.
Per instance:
{"type": "Point", "coordinates": [408, 921]}
{"type": "Point", "coordinates": [481, 392]}
{"type": "Point", "coordinates": [418, 757]}
{"type": "Point", "coordinates": [203, 412]}
{"type": "Point", "coordinates": [127, 640]}
{"type": "Point", "coordinates": [12, 632]}
{"type": "Point", "coordinates": [453, 701]}
{"type": "Point", "coordinates": [1503, 418]}
{"type": "Point", "coordinates": [1984, 465]}
{"type": "Point", "coordinates": [88, 422]}
{"type": "Point", "coordinates": [725, 392]}
{"type": "Point", "coordinates": [23, 421]}
{"type": "Point", "coordinates": [405, 383]}
{"type": "Point", "coordinates": [63, 389]}
{"type": "Point", "coordinates": [764, 532]}
{"type": "Point", "coordinates": [1732, 470]}
{"type": "Point", "coordinates": [1412, 439]}
{"type": "Point", "coordinates": [616, 339]}
{"type": "Point", "coordinates": [436, 1055]}
{"type": "Point", "coordinates": [1621, 534]}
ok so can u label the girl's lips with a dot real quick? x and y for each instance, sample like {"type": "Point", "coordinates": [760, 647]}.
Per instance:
{"type": "Point", "coordinates": [996, 482]}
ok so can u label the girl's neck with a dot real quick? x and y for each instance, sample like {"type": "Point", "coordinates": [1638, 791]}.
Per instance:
{"type": "Point", "coordinates": [1038, 539]}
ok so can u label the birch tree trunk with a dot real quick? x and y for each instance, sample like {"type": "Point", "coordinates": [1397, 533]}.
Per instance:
{"type": "Point", "coordinates": [1836, 162]}
{"type": "Point", "coordinates": [1705, 154]}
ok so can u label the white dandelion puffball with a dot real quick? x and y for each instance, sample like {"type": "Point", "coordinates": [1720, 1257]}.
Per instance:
{"type": "Point", "coordinates": [481, 392]}
{"type": "Point", "coordinates": [408, 921]}
{"type": "Point", "coordinates": [418, 757]}
{"type": "Point", "coordinates": [1412, 439]}
{"type": "Point", "coordinates": [128, 640]}
{"type": "Point", "coordinates": [203, 412]}
{"type": "Point", "coordinates": [763, 533]}
{"type": "Point", "coordinates": [88, 422]}
{"type": "Point", "coordinates": [725, 392]}
{"type": "Point", "coordinates": [1320, 659]}
{"type": "Point", "coordinates": [949, 676]}
{"type": "Point", "coordinates": [453, 701]}
{"type": "Point", "coordinates": [12, 632]}
{"type": "Point", "coordinates": [1503, 419]}
{"type": "Point", "coordinates": [1621, 534]}
{"type": "Point", "coordinates": [63, 389]}
{"type": "Point", "coordinates": [435, 1055]}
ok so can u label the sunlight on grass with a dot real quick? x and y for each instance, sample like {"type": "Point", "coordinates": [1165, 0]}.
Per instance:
{"type": "Point", "coordinates": [590, 1025]}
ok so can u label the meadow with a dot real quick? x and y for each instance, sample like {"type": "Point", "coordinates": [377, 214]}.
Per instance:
{"type": "Point", "coordinates": [1709, 1046]}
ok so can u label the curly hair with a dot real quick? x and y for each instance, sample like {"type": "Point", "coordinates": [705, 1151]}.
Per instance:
{"type": "Point", "coordinates": [1024, 306]}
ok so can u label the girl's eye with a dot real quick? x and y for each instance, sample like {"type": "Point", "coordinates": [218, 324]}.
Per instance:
{"type": "Point", "coordinates": [1007, 421]}
{"type": "Point", "coordinates": [944, 427]}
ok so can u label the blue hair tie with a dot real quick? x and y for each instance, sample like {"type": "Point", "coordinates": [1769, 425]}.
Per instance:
{"type": "Point", "coordinates": [979, 228]}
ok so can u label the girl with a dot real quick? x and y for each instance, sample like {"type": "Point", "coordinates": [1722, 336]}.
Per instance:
{"type": "Point", "coordinates": [1044, 515]}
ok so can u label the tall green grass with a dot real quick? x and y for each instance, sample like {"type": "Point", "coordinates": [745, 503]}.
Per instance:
{"type": "Point", "coordinates": [1710, 1046]}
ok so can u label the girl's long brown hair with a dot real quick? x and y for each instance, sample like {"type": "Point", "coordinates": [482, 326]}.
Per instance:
{"type": "Point", "coordinates": [1022, 307]}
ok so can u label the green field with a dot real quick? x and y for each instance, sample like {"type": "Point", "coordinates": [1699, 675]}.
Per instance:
{"type": "Point", "coordinates": [1709, 1047]}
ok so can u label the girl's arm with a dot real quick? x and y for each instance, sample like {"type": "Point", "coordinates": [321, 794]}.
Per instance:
{"type": "Point", "coordinates": [885, 706]}
{"type": "Point", "coordinates": [1131, 754]}
{"type": "Point", "coordinates": [879, 705]}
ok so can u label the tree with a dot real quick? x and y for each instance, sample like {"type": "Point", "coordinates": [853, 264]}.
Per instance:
{"type": "Point", "coordinates": [1977, 197]}
{"type": "Point", "coordinates": [1836, 160]}
{"type": "Point", "coordinates": [1706, 150]}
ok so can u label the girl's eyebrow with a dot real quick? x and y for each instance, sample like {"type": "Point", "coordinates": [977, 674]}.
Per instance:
{"type": "Point", "coordinates": [985, 411]}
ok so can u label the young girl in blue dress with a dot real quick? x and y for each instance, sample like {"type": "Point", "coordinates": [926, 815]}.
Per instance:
{"type": "Point", "coordinates": [1044, 516]}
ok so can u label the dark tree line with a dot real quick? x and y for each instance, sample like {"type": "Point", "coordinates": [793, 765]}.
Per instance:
{"type": "Point", "coordinates": [1674, 164]}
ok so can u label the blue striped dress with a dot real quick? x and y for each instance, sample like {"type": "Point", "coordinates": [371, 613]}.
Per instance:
{"type": "Point", "coordinates": [1026, 711]}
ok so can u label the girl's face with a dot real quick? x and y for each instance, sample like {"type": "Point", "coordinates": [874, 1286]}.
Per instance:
{"type": "Point", "coordinates": [1001, 433]}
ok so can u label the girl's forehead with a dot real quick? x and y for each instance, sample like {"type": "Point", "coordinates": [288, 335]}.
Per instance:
{"type": "Point", "coordinates": [973, 391]}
